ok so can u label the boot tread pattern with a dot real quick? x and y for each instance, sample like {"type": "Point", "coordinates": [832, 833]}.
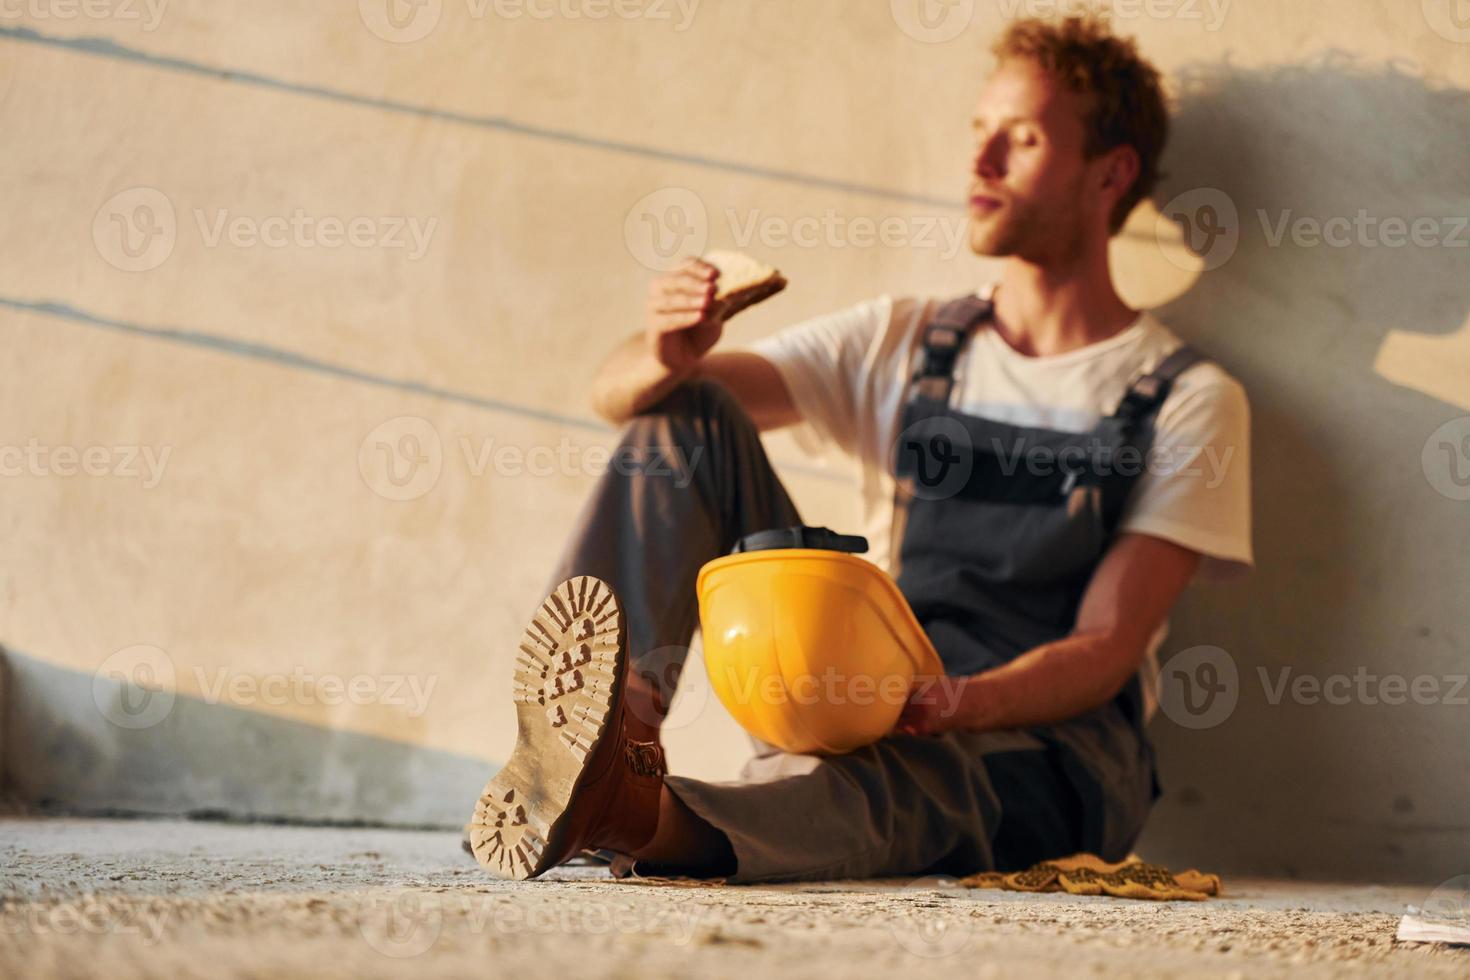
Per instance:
{"type": "Point", "coordinates": [566, 666]}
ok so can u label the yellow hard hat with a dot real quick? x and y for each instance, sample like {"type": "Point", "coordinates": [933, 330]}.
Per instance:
{"type": "Point", "coordinates": [810, 649]}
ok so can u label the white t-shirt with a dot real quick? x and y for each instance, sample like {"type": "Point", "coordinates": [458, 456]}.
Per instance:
{"type": "Point", "coordinates": [849, 373]}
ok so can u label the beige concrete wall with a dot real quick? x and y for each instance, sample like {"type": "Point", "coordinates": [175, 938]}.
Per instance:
{"type": "Point", "coordinates": [324, 642]}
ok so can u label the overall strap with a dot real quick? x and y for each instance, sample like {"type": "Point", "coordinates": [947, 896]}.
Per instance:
{"type": "Point", "coordinates": [944, 338]}
{"type": "Point", "coordinates": [1127, 426]}
{"type": "Point", "coordinates": [1140, 403]}
{"type": "Point", "coordinates": [1147, 393]}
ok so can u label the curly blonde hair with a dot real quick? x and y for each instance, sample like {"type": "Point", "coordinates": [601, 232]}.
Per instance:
{"type": "Point", "coordinates": [1127, 105]}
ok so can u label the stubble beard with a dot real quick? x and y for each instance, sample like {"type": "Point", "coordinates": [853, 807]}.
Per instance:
{"type": "Point", "coordinates": [1034, 233]}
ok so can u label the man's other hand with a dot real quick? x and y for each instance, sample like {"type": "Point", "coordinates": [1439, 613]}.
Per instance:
{"type": "Point", "coordinates": [935, 705]}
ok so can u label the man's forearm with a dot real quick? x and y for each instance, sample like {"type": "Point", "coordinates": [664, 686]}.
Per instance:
{"type": "Point", "coordinates": [1051, 683]}
{"type": "Point", "coordinates": [1125, 604]}
{"type": "Point", "coordinates": [631, 380]}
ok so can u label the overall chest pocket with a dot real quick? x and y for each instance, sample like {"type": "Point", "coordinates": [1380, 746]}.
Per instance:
{"type": "Point", "coordinates": [1014, 504]}
{"type": "Point", "coordinates": [1057, 543]}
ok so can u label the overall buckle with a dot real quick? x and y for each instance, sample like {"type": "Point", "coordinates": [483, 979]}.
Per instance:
{"type": "Point", "coordinates": [941, 348]}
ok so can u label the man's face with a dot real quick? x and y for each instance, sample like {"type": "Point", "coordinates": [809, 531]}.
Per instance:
{"type": "Point", "coordinates": [1031, 193]}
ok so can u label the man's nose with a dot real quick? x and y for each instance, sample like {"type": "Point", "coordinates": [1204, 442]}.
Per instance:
{"type": "Point", "coordinates": [989, 160]}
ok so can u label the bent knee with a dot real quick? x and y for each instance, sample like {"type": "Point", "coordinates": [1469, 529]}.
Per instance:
{"type": "Point", "coordinates": [694, 413]}
{"type": "Point", "coordinates": [698, 394]}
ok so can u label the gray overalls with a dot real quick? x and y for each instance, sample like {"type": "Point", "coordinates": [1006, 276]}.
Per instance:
{"type": "Point", "coordinates": [995, 556]}
{"type": "Point", "coordinates": [1005, 526]}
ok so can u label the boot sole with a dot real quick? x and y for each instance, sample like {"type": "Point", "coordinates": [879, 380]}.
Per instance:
{"type": "Point", "coordinates": [566, 683]}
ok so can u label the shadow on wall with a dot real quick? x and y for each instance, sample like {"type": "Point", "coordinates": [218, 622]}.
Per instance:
{"type": "Point", "coordinates": [79, 742]}
{"type": "Point", "coordinates": [1328, 202]}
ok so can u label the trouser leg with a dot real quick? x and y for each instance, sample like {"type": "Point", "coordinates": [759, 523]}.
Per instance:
{"type": "Point", "coordinates": [952, 804]}
{"type": "Point", "coordinates": [689, 478]}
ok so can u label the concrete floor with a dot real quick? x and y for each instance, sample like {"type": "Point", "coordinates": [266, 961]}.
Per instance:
{"type": "Point", "coordinates": [146, 898]}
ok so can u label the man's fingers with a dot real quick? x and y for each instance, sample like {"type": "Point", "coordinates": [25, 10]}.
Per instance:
{"type": "Point", "coordinates": [667, 291]}
{"type": "Point", "coordinates": [699, 272]}
{"type": "Point", "coordinates": [698, 267]}
{"type": "Point", "coordinates": [677, 305]}
{"type": "Point", "coordinates": [685, 278]}
{"type": "Point", "coordinates": [676, 291]}
{"type": "Point", "coordinates": [691, 282]}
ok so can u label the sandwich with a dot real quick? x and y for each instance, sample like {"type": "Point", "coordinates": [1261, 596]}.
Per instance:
{"type": "Point", "coordinates": [743, 281]}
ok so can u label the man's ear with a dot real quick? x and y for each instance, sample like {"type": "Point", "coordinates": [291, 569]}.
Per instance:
{"type": "Point", "coordinates": [1121, 167]}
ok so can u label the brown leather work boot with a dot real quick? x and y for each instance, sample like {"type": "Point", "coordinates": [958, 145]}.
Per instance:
{"type": "Point", "coordinates": [585, 773]}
